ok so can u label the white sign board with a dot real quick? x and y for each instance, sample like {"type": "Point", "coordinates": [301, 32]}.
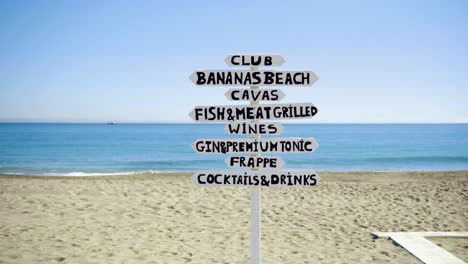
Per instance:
{"type": "Point", "coordinates": [258, 60]}
{"type": "Point", "coordinates": [255, 94]}
{"type": "Point", "coordinates": [256, 178]}
{"type": "Point", "coordinates": [244, 128]}
{"type": "Point", "coordinates": [253, 78]}
{"type": "Point", "coordinates": [220, 113]}
{"type": "Point", "coordinates": [254, 162]}
{"type": "Point", "coordinates": [254, 145]}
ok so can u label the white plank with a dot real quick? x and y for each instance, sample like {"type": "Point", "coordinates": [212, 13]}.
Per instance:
{"type": "Point", "coordinates": [254, 162]}
{"type": "Point", "coordinates": [223, 113]}
{"type": "Point", "coordinates": [423, 249]}
{"type": "Point", "coordinates": [425, 234]}
{"type": "Point", "coordinates": [253, 78]}
{"type": "Point", "coordinates": [258, 60]}
{"type": "Point", "coordinates": [255, 95]}
{"type": "Point", "coordinates": [245, 128]}
{"type": "Point", "coordinates": [255, 178]}
{"type": "Point", "coordinates": [254, 145]}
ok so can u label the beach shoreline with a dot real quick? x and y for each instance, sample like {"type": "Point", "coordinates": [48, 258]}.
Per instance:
{"type": "Point", "coordinates": [165, 218]}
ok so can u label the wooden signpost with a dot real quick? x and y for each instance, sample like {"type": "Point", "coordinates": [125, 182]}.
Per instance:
{"type": "Point", "coordinates": [223, 113]}
{"type": "Point", "coordinates": [255, 95]}
{"type": "Point", "coordinates": [244, 128]}
{"type": "Point", "coordinates": [254, 162]}
{"type": "Point", "coordinates": [254, 145]}
{"type": "Point", "coordinates": [253, 78]}
{"type": "Point", "coordinates": [256, 178]}
{"type": "Point", "coordinates": [238, 117]}
{"type": "Point", "coordinates": [258, 60]}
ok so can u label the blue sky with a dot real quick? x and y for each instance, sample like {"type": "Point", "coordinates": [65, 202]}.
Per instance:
{"type": "Point", "coordinates": [129, 61]}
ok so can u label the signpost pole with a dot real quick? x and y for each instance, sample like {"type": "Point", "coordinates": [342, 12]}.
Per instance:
{"type": "Point", "coordinates": [255, 207]}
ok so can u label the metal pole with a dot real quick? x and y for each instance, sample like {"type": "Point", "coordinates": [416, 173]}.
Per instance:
{"type": "Point", "coordinates": [255, 207]}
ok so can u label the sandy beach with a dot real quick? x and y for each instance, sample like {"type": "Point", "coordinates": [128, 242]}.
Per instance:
{"type": "Point", "coordinates": [165, 218]}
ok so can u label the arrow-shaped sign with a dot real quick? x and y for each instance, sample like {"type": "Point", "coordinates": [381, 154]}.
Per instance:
{"type": "Point", "coordinates": [254, 60]}
{"type": "Point", "coordinates": [220, 113]}
{"type": "Point", "coordinates": [256, 178]}
{"type": "Point", "coordinates": [255, 94]}
{"type": "Point", "coordinates": [253, 78]}
{"type": "Point", "coordinates": [244, 128]}
{"type": "Point", "coordinates": [254, 145]}
{"type": "Point", "coordinates": [254, 162]}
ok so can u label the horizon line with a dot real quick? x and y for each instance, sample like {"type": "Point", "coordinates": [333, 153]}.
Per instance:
{"type": "Point", "coordinates": [221, 123]}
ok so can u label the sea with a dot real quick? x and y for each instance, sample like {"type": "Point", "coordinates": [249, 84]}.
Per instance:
{"type": "Point", "coordinates": [102, 149]}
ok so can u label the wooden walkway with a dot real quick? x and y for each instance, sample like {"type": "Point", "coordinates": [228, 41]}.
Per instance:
{"type": "Point", "coordinates": [423, 249]}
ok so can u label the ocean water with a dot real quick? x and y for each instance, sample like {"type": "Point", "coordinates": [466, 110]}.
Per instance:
{"type": "Point", "coordinates": [93, 149]}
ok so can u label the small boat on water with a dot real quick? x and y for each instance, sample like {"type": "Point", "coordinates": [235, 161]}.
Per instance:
{"type": "Point", "coordinates": [111, 123]}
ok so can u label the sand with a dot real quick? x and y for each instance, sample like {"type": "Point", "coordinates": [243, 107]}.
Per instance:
{"type": "Point", "coordinates": [456, 246]}
{"type": "Point", "coordinates": [165, 218]}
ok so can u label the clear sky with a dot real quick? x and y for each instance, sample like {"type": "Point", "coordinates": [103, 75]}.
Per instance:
{"type": "Point", "coordinates": [129, 61]}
